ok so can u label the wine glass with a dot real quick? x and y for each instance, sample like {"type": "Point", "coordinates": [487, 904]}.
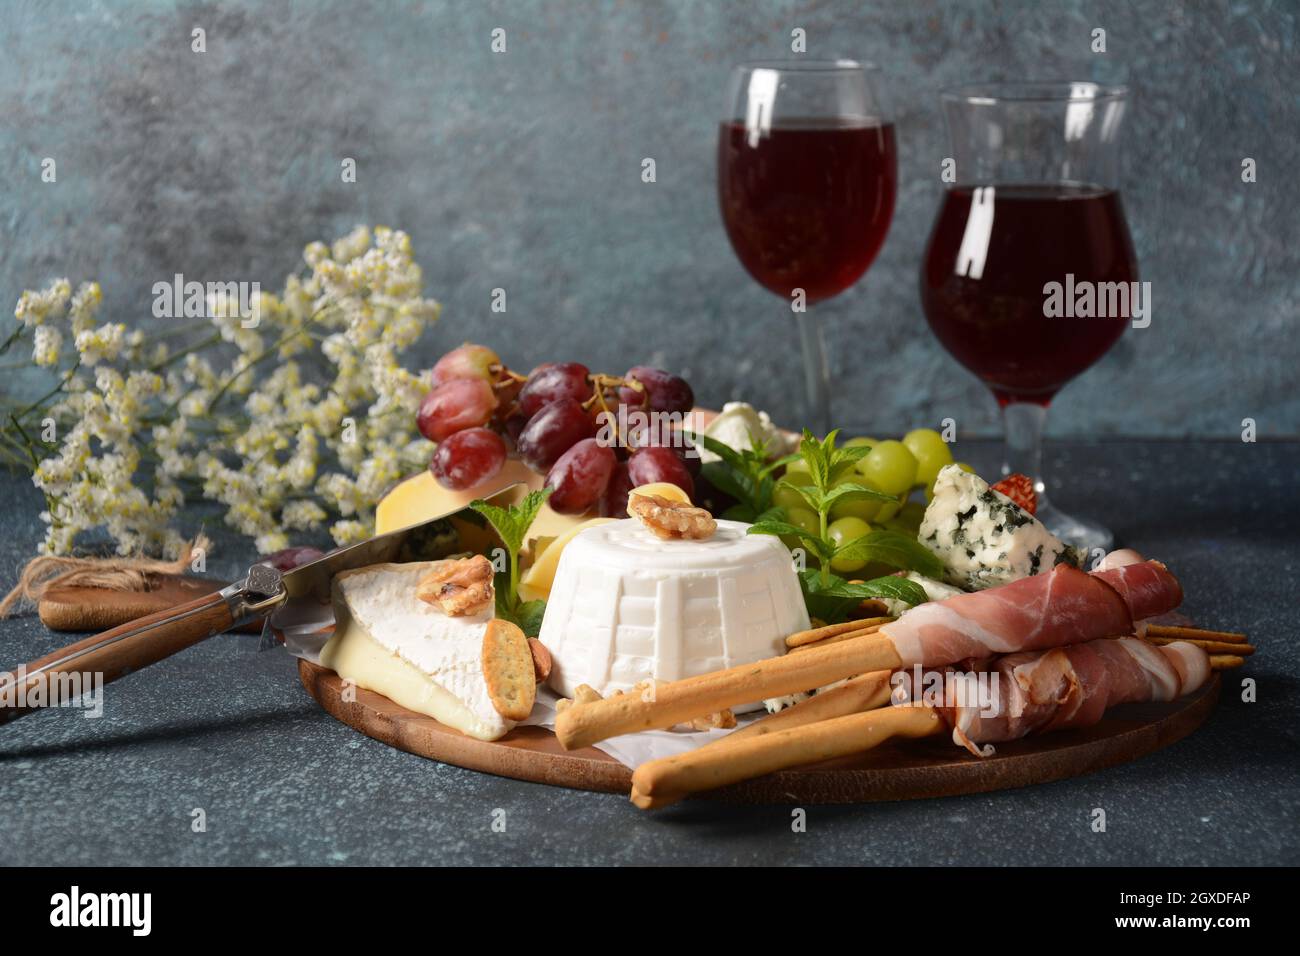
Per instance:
{"type": "Point", "coordinates": [1032, 219]}
{"type": "Point", "coordinates": [807, 172]}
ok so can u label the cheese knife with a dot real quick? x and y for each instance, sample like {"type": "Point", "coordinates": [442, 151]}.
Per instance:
{"type": "Point", "coordinates": [60, 676]}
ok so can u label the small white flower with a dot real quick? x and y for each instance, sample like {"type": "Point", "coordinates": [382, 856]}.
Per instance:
{"type": "Point", "coordinates": [103, 344]}
{"type": "Point", "coordinates": [45, 345]}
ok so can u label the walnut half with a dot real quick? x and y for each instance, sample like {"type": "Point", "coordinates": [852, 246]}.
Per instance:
{"type": "Point", "coordinates": [458, 586]}
{"type": "Point", "coordinates": [671, 520]}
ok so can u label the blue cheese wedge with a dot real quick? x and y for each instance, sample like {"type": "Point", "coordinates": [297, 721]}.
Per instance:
{"type": "Point", "coordinates": [985, 539]}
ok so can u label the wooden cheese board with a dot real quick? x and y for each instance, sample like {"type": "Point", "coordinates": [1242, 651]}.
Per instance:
{"type": "Point", "coordinates": [906, 770]}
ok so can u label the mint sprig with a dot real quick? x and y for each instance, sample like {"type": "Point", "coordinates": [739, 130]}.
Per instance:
{"type": "Point", "coordinates": [827, 465]}
{"type": "Point", "coordinates": [834, 599]}
{"type": "Point", "coordinates": [744, 475]}
{"type": "Point", "coordinates": [511, 525]}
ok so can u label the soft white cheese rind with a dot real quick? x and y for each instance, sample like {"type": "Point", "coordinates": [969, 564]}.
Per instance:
{"type": "Point", "coordinates": [389, 641]}
{"type": "Point", "coordinates": [736, 427]}
{"type": "Point", "coordinates": [985, 539]}
{"type": "Point", "coordinates": [628, 606]}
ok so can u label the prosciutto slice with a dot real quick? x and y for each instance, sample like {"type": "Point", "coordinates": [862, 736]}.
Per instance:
{"type": "Point", "coordinates": [1071, 687]}
{"type": "Point", "coordinates": [1066, 606]}
{"type": "Point", "coordinates": [1063, 607]}
{"type": "Point", "coordinates": [1147, 588]}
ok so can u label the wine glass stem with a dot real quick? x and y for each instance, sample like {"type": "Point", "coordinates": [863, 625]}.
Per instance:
{"type": "Point", "coordinates": [816, 373]}
{"type": "Point", "coordinates": [1022, 424]}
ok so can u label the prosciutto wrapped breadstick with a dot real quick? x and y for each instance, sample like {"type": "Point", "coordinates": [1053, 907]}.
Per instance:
{"type": "Point", "coordinates": [1066, 606]}
{"type": "Point", "coordinates": [1071, 687]}
{"type": "Point", "coordinates": [1038, 692]}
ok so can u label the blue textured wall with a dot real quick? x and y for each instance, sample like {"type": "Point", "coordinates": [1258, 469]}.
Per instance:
{"type": "Point", "coordinates": [522, 170]}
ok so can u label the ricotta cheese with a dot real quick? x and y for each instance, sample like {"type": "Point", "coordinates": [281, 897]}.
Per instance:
{"type": "Point", "coordinates": [389, 641]}
{"type": "Point", "coordinates": [985, 539]}
{"type": "Point", "coordinates": [627, 606]}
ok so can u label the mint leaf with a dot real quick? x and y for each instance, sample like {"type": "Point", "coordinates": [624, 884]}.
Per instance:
{"type": "Point", "coordinates": [833, 599]}
{"type": "Point", "coordinates": [850, 488]}
{"type": "Point", "coordinates": [811, 494]}
{"type": "Point", "coordinates": [894, 549]}
{"type": "Point", "coordinates": [776, 526]}
{"type": "Point", "coordinates": [727, 480]}
{"type": "Point", "coordinates": [894, 588]}
{"type": "Point", "coordinates": [816, 455]}
{"type": "Point", "coordinates": [814, 543]}
{"type": "Point", "coordinates": [743, 475]}
{"type": "Point", "coordinates": [528, 615]}
{"type": "Point", "coordinates": [824, 606]}
{"type": "Point", "coordinates": [511, 526]}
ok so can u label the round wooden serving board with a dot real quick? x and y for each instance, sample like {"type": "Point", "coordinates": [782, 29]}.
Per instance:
{"type": "Point", "coordinates": [931, 767]}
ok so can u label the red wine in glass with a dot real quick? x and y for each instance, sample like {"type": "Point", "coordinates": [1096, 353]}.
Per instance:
{"type": "Point", "coordinates": [807, 174]}
{"type": "Point", "coordinates": [992, 251]}
{"type": "Point", "coordinates": [808, 204]}
{"type": "Point", "coordinates": [1032, 208]}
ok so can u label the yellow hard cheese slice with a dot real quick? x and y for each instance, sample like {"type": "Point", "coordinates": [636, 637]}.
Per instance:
{"type": "Point", "coordinates": [664, 489]}
{"type": "Point", "coordinates": [421, 498]}
{"type": "Point", "coordinates": [535, 583]}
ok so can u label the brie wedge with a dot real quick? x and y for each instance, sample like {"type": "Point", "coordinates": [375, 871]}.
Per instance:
{"type": "Point", "coordinates": [389, 641]}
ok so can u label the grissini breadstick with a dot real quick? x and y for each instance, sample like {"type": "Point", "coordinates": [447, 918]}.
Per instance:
{"type": "Point", "coordinates": [800, 638]}
{"type": "Point", "coordinates": [1225, 662]}
{"type": "Point", "coordinates": [864, 692]}
{"type": "Point", "coordinates": [1043, 691]}
{"type": "Point", "coordinates": [1068, 605]}
{"type": "Point", "coordinates": [1210, 647]}
{"type": "Point", "coordinates": [850, 635]}
{"type": "Point", "coordinates": [1194, 633]}
{"type": "Point", "coordinates": [669, 779]}
{"type": "Point", "coordinates": [676, 702]}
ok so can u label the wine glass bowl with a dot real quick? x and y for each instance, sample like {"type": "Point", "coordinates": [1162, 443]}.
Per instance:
{"type": "Point", "coordinates": [807, 176]}
{"type": "Point", "coordinates": [1033, 214]}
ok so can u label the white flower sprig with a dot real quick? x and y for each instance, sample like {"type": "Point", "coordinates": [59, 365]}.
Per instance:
{"type": "Point", "coordinates": [238, 419]}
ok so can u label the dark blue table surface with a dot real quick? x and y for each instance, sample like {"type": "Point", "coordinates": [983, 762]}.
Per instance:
{"type": "Point", "coordinates": [228, 730]}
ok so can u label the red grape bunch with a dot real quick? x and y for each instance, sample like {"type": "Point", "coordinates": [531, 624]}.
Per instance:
{"type": "Point", "coordinates": [478, 408]}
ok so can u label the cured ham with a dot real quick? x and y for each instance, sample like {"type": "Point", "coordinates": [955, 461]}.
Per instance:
{"type": "Point", "coordinates": [1063, 607]}
{"type": "Point", "coordinates": [1147, 588]}
{"type": "Point", "coordinates": [1071, 687]}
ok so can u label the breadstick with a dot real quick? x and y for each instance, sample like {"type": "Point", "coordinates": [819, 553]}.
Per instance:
{"type": "Point", "coordinates": [827, 641]}
{"type": "Point", "coordinates": [1223, 662]}
{"type": "Point", "coordinates": [1210, 647]}
{"type": "Point", "coordinates": [1194, 633]}
{"type": "Point", "coordinates": [864, 692]}
{"type": "Point", "coordinates": [801, 638]}
{"type": "Point", "coordinates": [676, 702]}
{"type": "Point", "coordinates": [669, 779]}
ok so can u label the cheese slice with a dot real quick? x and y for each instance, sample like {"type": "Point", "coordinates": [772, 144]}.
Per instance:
{"type": "Point", "coordinates": [420, 498]}
{"type": "Point", "coordinates": [985, 539]}
{"type": "Point", "coordinates": [389, 641]}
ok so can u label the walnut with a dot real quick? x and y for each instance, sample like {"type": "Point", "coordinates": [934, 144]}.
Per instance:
{"type": "Point", "coordinates": [459, 586]}
{"type": "Point", "coordinates": [671, 520]}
